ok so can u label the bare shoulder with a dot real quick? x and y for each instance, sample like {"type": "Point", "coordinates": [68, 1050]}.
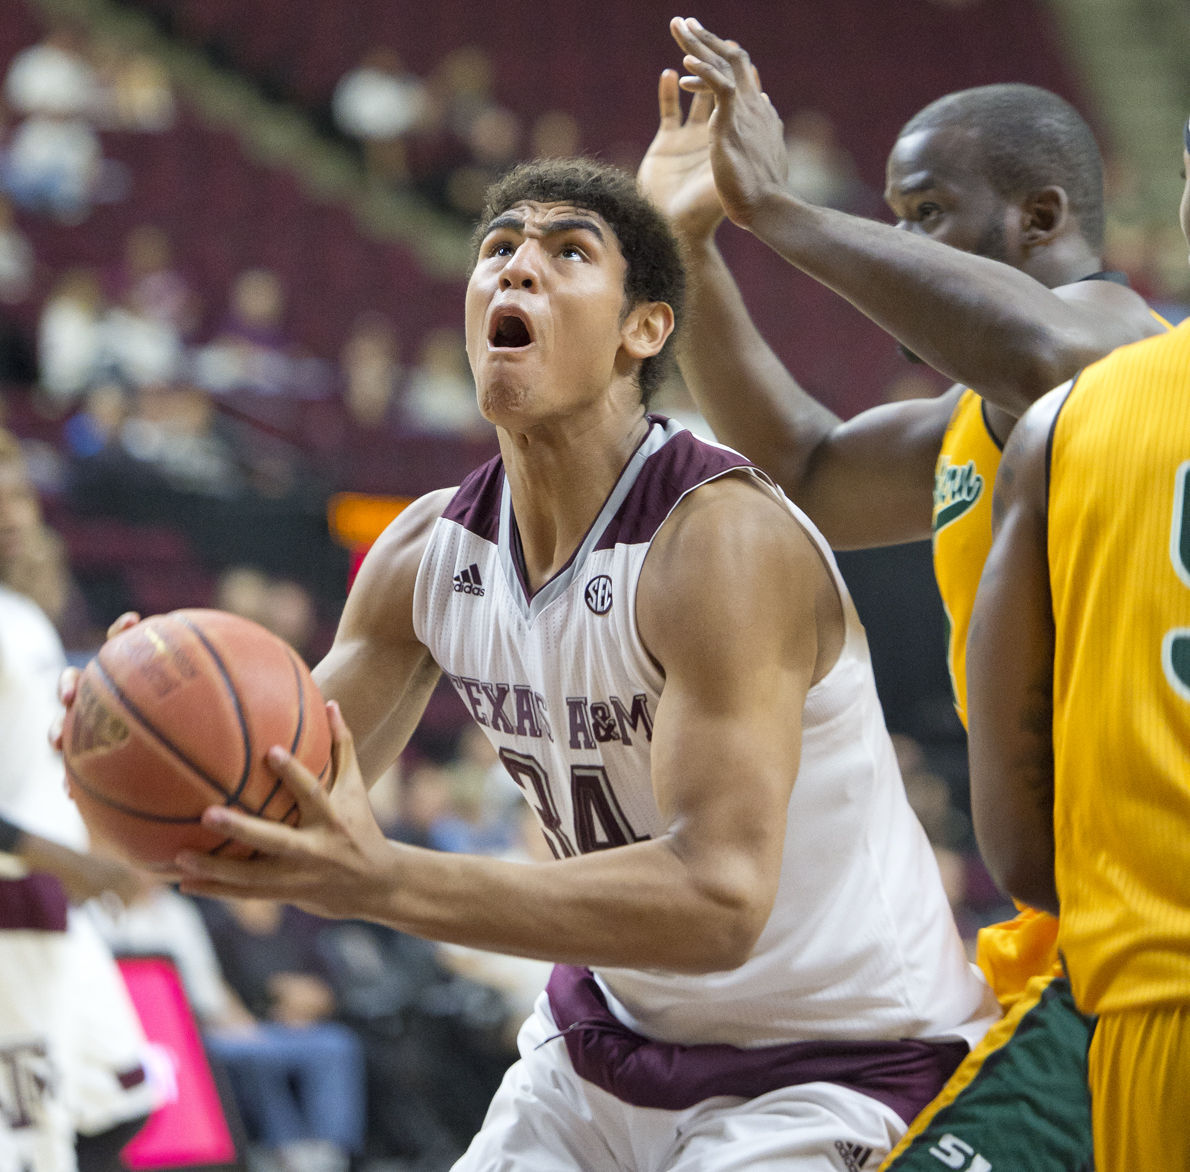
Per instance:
{"type": "Point", "coordinates": [1123, 306]}
{"type": "Point", "coordinates": [731, 552]}
{"type": "Point", "coordinates": [735, 514]}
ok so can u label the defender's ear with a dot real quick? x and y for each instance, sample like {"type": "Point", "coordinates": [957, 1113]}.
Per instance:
{"type": "Point", "coordinates": [646, 328]}
{"type": "Point", "coordinates": [1044, 215]}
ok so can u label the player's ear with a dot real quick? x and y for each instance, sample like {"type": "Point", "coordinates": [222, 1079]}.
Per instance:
{"type": "Point", "coordinates": [646, 327]}
{"type": "Point", "coordinates": [1044, 214]}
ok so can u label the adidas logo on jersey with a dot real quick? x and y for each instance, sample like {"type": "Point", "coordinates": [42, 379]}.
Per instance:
{"type": "Point", "coordinates": [855, 1156]}
{"type": "Point", "coordinates": [468, 581]}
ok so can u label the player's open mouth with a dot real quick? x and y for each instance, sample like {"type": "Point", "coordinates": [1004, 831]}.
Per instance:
{"type": "Point", "coordinates": [509, 331]}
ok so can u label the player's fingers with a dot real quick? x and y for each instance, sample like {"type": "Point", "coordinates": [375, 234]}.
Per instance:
{"type": "Point", "coordinates": [342, 744]}
{"type": "Point", "coordinates": [733, 57]}
{"type": "Point", "coordinates": [262, 834]}
{"type": "Point", "coordinates": [199, 872]}
{"type": "Point", "coordinates": [701, 108]}
{"type": "Point", "coordinates": [669, 102]}
{"type": "Point", "coordinates": [305, 787]}
{"type": "Point", "coordinates": [695, 47]}
{"type": "Point", "coordinates": [68, 683]}
{"type": "Point", "coordinates": [128, 619]}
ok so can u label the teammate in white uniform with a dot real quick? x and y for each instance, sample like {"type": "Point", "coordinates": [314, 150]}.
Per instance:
{"type": "Point", "coordinates": [756, 965]}
{"type": "Point", "coordinates": [70, 1042]}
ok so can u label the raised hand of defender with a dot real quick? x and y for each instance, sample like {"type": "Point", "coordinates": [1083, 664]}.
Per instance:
{"type": "Point", "coordinates": [746, 136]}
{"type": "Point", "coordinates": [676, 170]}
{"type": "Point", "coordinates": [326, 865]}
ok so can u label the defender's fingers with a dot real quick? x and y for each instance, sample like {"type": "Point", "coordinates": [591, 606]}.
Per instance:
{"type": "Point", "coordinates": [669, 99]}
{"type": "Point", "coordinates": [734, 58]}
{"type": "Point", "coordinates": [704, 76]}
{"type": "Point", "coordinates": [701, 107]}
{"type": "Point", "coordinates": [694, 46]}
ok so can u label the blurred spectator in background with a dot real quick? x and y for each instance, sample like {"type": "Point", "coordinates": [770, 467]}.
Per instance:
{"type": "Point", "coordinates": [53, 164]}
{"type": "Point", "coordinates": [148, 282]}
{"type": "Point", "coordinates": [820, 169]}
{"type": "Point", "coordinates": [53, 76]}
{"type": "Point", "coordinates": [440, 395]}
{"type": "Point", "coordinates": [134, 89]}
{"type": "Point", "coordinates": [378, 104]}
{"type": "Point", "coordinates": [460, 87]}
{"type": "Point", "coordinates": [18, 360]}
{"type": "Point", "coordinates": [458, 90]}
{"type": "Point", "coordinates": [251, 349]}
{"type": "Point", "coordinates": [303, 1095]}
{"type": "Point", "coordinates": [554, 134]}
{"type": "Point", "coordinates": [491, 147]}
{"type": "Point", "coordinates": [283, 606]}
{"type": "Point", "coordinates": [16, 259]}
{"type": "Point", "coordinates": [140, 348]}
{"type": "Point", "coordinates": [370, 373]}
{"type": "Point", "coordinates": [171, 428]}
{"type": "Point", "coordinates": [96, 425]}
{"type": "Point", "coordinates": [71, 349]}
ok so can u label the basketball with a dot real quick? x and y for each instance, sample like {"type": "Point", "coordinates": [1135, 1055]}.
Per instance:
{"type": "Point", "coordinates": [177, 714]}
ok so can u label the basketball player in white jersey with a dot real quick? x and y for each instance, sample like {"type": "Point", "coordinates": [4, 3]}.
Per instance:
{"type": "Point", "coordinates": [73, 1090]}
{"type": "Point", "coordinates": [756, 963]}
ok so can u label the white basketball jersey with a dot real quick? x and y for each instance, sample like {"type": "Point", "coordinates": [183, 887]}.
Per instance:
{"type": "Point", "coordinates": [861, 943]}
{"type": "Point", "coordinates": [32, 777]}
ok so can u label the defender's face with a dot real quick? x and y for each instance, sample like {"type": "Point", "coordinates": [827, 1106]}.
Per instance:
{"type": "Point", "coordinates": [545, 312]}
{"type": "Point", "coordinates": [934, 185]}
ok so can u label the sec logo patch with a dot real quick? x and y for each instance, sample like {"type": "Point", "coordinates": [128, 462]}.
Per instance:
{"type": "Point", "coordinates": [598, 594]}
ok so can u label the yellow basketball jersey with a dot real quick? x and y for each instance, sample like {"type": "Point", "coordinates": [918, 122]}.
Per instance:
{"type": "Point", "coordinates": [1119, 553]}
{"type": "Point", "coordinates": [962, 527]}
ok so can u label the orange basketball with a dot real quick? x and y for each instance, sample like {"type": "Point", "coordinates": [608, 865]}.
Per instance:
{"type": "Point", "coordinates": [177, 714]}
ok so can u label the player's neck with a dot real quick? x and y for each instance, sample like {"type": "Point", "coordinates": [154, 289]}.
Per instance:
{"type": "Point", "coordinates": [1062, 263]}
{"type": "Point", "coordinates": [559, 479]}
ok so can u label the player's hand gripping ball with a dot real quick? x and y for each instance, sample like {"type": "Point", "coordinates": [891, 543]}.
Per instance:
{"type": "Point", "coordinates": [176, 714]}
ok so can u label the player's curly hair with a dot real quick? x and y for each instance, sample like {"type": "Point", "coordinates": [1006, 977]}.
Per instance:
{"type": "Point", "coordinates": [1028, 138]}
{"type": "Point", "coordinates": [655, 271]}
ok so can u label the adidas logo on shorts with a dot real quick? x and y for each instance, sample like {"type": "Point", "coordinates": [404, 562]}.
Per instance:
{"type": "Point", "coordinates": [468, 581]}
{"type": "Point", "coordinates": [855, 1156]}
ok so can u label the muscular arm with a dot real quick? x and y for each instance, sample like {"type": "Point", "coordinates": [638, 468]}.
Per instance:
{"type": "Point", "coordinates": [1010, 655]}
{"type": "Point", "coordinates": [865, 482]}
{"type": "Point", "coordinates": [982, 323]}
{"type": "Point", "coordinates": [725, 750]}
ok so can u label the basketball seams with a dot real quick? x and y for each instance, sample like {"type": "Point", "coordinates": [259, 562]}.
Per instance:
{"type": "Point", "coordinates": [103, 799]}
{"type": "Point", "coordinates": [119, 693]}
{"type": "Point", "coordinates": [233, 692]}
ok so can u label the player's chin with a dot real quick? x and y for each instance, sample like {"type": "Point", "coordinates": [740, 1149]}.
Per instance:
{"type": "Point", "coordinates": [503, 402]}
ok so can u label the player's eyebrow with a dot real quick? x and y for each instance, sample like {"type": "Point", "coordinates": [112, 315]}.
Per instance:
{"type": "Point", "coordinates": [551, 227]}
{"type": "Point", "coordinates": [922, 182]}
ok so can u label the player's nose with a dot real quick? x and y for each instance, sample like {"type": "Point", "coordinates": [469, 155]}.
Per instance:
{"type": "Point", "coordinates": [523, 268]}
